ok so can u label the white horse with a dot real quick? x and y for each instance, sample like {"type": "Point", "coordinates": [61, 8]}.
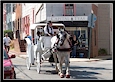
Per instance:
{"type": "Point", "coordinates": [63, 52]}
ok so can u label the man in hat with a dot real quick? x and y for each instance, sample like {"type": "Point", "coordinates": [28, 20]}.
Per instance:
{"type": "Point", "coordinates": [48, 29]}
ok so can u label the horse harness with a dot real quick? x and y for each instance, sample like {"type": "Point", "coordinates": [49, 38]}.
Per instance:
{"type": "Point", "coordinates": [65, 49]}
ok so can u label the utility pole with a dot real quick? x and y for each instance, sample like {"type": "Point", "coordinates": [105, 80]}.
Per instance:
{"type": "Point", "coordinates": [91, 24]}
{"type": "Point", "coordinates": [90, 37]}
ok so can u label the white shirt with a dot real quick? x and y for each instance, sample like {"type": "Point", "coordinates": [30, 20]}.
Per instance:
{"type": "Point", "coordinates": [50, 30]}
{"type": "Point", "coordinates": [6, 40]}
{"type": "Point", "coordinates": [46, 41]}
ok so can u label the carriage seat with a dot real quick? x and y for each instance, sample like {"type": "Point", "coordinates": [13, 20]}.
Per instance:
{"type": "Point", "coordinates": [45, 42]}
{"type": "Point", "coordinates": [37, 47]}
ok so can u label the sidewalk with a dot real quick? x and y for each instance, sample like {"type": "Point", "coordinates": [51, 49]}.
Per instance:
{"type": "Point", "coordinates": [23, 55]}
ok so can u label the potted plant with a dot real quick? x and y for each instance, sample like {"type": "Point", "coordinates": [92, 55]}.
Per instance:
{"type": "Point", "coordinates": [102, 51]}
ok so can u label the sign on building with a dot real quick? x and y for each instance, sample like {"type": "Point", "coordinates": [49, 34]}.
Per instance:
{"type": "Point", "coordinates": [67, 18]}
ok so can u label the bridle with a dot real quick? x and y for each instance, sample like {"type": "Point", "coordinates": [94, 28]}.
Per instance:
{"type": "Point", "coordinates": [60, 39]}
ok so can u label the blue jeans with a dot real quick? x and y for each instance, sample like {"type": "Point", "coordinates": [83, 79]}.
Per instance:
{"type": "Point", "coordinates": [74, 51]}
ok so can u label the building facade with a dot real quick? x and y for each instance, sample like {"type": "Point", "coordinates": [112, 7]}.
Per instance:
{"type": "Point", "coordinates": [75, 18]}
{"type": "Point", "coordinates": [18, 20]}
{"type": "Point", "coordinates": [63, 13]}
{"type": "Point", "coordinates": [28, 18]}
{"type": "Point", "coordinates": [105, 27]}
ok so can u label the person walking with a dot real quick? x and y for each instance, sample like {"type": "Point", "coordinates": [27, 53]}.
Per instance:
{"type": "Point", "coordinates": [7, 42]}
{"type": "Point", "coordinates": [74, 43]}
{"type": "Point", "coordinates": [48, 29]}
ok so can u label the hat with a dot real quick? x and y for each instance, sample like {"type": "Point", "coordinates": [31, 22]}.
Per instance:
{"type": "Point", "coordinates": [49, 22]}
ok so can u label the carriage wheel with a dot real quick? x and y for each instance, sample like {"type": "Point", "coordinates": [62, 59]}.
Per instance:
{"type": "Point", "coordinates": [27, 63]}
{"type": "Point", "coordinates": [38, 63]}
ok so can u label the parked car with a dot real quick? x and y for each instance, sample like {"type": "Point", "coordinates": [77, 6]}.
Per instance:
{"type": "Point", "coordinates": [9, 71]}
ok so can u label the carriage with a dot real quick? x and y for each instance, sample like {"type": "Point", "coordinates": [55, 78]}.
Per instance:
{"type": "Point", "coordinates": [34, 51]}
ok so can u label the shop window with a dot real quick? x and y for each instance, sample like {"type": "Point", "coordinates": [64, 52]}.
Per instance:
{"type": "Point", "coordinates": [69, 9]}
{"type": "Point", "coordinates": [81, 36]}
{"type": "Point", "coordinates": [78, 33]}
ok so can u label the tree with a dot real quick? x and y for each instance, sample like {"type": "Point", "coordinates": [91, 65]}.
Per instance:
{"type": "Point", "coordinates": [10, 33]}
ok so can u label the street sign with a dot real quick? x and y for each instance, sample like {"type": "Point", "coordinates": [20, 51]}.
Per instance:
{"type": "Point", "coordinates": [94, 18]}
{"type": "Point", "coordinates": [91, 20]}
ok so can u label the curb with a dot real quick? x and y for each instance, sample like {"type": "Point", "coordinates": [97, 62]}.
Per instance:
{"type": "Point", "coordinates": [83, 60]}
{"type": "Point", "coordinates": [74, 59]}
{"type": "Point", "coordinates": [22, 56]}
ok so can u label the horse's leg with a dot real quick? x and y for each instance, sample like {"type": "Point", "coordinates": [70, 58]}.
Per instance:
{"type": "Point", "coordinates": [55, 60]}
{"type": "Point", "coordinates": [35, 54]}
{"type": "Point", "coordinates": [60, 59]}
{"type": "Point", "coordinates": [40, 53]}
{"type": "Point", "coordinates": [67, 65]}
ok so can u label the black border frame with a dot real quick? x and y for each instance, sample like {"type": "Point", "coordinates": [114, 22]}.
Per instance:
{"type": "Point", "coordinates": [43, 1]}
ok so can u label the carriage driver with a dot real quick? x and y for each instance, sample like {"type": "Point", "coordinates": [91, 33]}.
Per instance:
{"type": "Point", "coordinates": [48, 29]}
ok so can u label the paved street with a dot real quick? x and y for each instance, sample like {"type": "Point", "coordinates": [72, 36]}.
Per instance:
{"type": "Point", "coordinates": [94, 70]}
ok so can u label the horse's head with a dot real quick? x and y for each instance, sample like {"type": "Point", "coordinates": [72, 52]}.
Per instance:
{"type": "Point", "coordinates": [61, 37]}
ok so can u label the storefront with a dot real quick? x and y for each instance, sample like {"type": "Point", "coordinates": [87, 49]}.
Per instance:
{"type": "Point", "coordinates": [77, 25]}
{"type": "Point", "coordinates": [80, 29]}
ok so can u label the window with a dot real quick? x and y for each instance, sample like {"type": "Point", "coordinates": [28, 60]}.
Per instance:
{"type": "Point", "coordinates": [82, 35]}
{"type": "Point", "coordinates": [14, 6]}
{"type": "Point", "coordinates": [9, 7]}
{"type": "Point", "coordinates": [78, 34]}
{"type": "Point", "coordinates": [69, 9]}
{"type": "Point", "coordinates": [20, 24]}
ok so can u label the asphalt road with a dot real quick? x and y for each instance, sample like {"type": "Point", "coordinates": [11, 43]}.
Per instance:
{"type": "Point", "coordinates": [95, 70]}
